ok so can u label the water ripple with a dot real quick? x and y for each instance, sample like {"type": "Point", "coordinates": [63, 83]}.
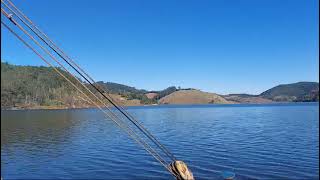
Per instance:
{"type": "Point", "coordinates": [256, 142]}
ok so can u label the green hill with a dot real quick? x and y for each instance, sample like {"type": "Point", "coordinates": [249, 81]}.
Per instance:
{"type": "Point", "coordinates": [127, 92]}
{"type": "Point", "coordinates": [116, 88]}
{"type": "Point", "coordinates": [133, 93]}
{"type": "Point", "coordinates": [301, 91]}
{"type": "Point", "coordinates": [41, 87]}
{"type": "Point", "coordinates": [31, 86]}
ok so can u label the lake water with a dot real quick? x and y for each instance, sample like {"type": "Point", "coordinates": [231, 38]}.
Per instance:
{"type": "Point", "coordinates": [255, 141]}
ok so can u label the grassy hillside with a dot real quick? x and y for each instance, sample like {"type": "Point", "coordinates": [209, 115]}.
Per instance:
{"type": "Point", "coordinates": [192, 97]}
{"type": "Point", "coordinates": [301, 91]}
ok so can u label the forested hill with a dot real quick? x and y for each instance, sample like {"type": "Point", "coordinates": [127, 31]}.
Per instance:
{"type": "Point", "coordinates": [116, 88]}
{"type": "Point", "coordinates": [301, 91]}
{"type": "Point", "coordinates": [133, 93]}
{"type": "Point", "coordinates": [30, 86]}
{"type": "Point", "coordinates": [295, 92]}
{"type": "Point", "coordinates": [41, 87]}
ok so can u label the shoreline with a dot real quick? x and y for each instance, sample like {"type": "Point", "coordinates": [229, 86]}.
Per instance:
{"type": "Point", "coordinates": [146, 105]}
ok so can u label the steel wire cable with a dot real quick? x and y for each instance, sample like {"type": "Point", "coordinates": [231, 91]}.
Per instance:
{"type": "Point", "coordinates": [21, 28]}
{"type": "Point", "coordinates": [92, 82]}
{"type": "Point", "coordinates": [126, 129]}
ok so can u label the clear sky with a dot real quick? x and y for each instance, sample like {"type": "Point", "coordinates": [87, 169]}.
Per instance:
{"type": "Point", "coordinates": [222, 46]}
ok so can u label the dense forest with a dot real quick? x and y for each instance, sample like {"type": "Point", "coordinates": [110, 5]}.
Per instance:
{"type": "Point", "coordinates": [30, 86]}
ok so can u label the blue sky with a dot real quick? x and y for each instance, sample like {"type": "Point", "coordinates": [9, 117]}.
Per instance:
{"type": "Point", "coordinates": [222, 46]}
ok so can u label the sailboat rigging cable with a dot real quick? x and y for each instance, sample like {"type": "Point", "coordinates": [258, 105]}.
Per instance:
{"type": "Point", "coordinates": [177, 168]}
{"type": "Point", "coordinates": [120, 124]}
{"type": "Point", "coordinates": [84, 75]}
{"type": "Point", "coordinates": [114, 115]}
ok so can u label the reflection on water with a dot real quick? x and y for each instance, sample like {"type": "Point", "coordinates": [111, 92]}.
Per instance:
{"type": "Point", "coordinates": [39, 127]}
{"type": "Point", "coordinates": [256, 141]}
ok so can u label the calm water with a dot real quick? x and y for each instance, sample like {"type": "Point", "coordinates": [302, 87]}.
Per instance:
{"type": "Point", "coordinates": [256, 141]}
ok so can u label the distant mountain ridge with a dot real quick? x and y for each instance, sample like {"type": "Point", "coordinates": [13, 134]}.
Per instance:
{"type": "Point", "coordinates": [40, 87]}
{"type": "Point", "coordinates": [295, 92]}
{"type": "Point", "coordinates": [247, 98]}
{"type": "Point", "coordinates": [116, 88]}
